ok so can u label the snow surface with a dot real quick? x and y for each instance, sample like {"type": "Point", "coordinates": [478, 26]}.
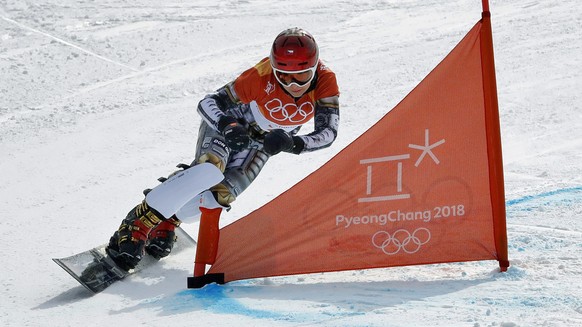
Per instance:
{"type": "Point", "coordinates": [97, 100]}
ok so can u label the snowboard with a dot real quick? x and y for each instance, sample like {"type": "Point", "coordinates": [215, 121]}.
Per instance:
{"type": "Point", "coordinates": [96, 271]}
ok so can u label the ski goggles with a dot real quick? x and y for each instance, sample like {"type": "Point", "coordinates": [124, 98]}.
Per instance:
{"type": "Point", "coordinates": [299, 78]}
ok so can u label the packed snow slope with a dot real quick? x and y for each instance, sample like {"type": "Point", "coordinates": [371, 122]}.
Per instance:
{"type": "Point", "coordinates": [97, 100]}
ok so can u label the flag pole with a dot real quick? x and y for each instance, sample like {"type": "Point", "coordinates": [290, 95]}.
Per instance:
{"type": "Point", "coordinates": [496, 179]}
{"type": "Point", "coordinates": [485, 6]}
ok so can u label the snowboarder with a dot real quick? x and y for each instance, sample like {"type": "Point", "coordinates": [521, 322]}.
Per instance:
{"type": "Point", "coordinates": [250, 119]}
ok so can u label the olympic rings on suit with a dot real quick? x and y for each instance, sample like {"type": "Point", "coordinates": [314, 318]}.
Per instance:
{"type": "Point", "coordinates": [289, 112]}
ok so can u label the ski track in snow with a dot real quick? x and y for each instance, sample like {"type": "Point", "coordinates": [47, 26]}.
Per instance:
{"type": "Point", "coordinates": [97, 100]}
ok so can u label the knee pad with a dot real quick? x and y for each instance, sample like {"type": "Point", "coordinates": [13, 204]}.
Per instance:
{"type": "Point", "coordinates": [213, 159]}
{"type": "Point", "coordinates": [223, 195]}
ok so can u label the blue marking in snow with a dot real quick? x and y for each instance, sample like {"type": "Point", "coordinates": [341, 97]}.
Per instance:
{"type": "Point", "coordinates": [215, 298]}
{"type": "Point", "coordinates": [222, 303]}
{"type": "Point", "coordinates": [223, 299]}
{"type": "Point", "coordinates": [561, 196]}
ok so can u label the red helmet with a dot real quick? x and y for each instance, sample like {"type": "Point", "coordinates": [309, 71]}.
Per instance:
{"type": "Point", "coordinates": [293, 50]}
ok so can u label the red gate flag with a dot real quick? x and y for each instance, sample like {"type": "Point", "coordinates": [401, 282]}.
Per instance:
{"type": "Point", "coordinates": [423, 185]}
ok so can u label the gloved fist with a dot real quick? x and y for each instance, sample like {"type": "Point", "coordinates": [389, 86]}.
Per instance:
{"type": "Point", "coordinates": [276, 141]}
{"type": "Point", "coordinates": [235, 135]}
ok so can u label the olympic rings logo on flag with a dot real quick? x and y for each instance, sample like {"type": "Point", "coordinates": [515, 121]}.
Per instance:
{"type": "Point", "coordinates": [401, 240]}
{"type": "Point", "coordinates": [289, 112]}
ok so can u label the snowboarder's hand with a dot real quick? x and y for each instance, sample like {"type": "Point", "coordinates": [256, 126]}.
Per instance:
{"type": "Point", "coordinates": [276, 141]}
{"type": "Point", "coordinates": [235, 135]}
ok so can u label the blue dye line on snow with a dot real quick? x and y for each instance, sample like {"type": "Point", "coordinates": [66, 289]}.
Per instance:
{"type": "Point", "coordinates": [217, 300]}
{"type": "Point", "coordinates": [221, 299]}
{"type": "Point", "coordinates": [212, 298]}
{"type": "Point", "coordinates": [565, 195]}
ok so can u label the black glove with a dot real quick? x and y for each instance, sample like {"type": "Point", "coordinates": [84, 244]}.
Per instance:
{"type": "Point", "coordinates": [276, 141]}
{"type": "Point", "coordinates": [235, 135]}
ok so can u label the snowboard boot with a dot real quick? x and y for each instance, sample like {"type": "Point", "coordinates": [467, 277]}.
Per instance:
{"type": "Point", "coordinates": [162, 238]}
{"type": "Point", "coordinates": [127, 245]}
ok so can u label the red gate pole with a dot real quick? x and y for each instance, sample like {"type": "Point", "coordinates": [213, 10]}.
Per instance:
{"type": "Point", "coordinates": [496, 180]}
{"type": "Point", "coordinates": [206, 249]}
{"type": "Point", "coordinates": [207, 240]}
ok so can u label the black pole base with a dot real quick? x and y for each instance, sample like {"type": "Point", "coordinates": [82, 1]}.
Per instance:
{"type": "Point", "coordinates": [201, 281]}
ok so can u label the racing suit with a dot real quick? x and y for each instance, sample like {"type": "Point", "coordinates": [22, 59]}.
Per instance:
{"type": "Point", "coordinates": [260, 104]}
